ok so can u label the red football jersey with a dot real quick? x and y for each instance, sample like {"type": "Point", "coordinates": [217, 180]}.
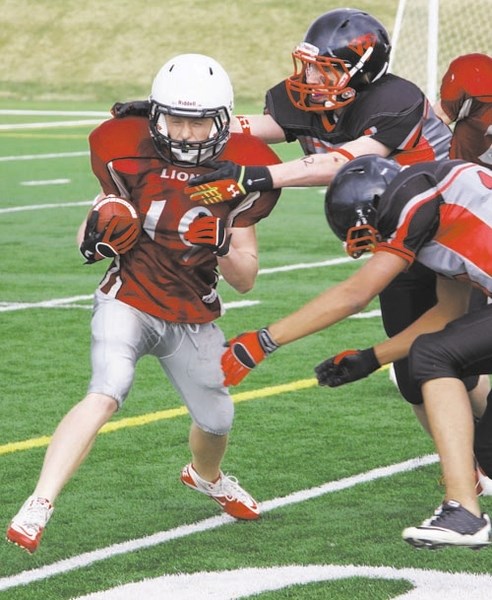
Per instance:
{"type": "Point", "coordinates": [164, 275]}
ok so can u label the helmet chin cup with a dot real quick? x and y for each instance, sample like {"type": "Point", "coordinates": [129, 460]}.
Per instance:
{"type": "Point", "coordinates": [360, 239]}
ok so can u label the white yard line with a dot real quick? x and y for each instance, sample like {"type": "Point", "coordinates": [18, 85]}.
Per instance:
{"type": "Point", "coordinates": [54, 113]}
{"type": "Point", "coordinates": [14, 209]}
{"type": "Point", "coordinates": [48, 124]}
{"type": "Point", "coordinates": [162, 537]}
{"type": "Point", "coordinates": [36, 182]}
{"type": "Point", "coordinates": [69, 300]}
{"type": "Point", "coordinates": [44, 156]}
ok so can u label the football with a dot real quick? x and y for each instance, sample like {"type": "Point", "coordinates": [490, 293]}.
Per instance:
{"type": "Point", "coordinates": [112, 206]}
{"type": "Point", "coordinates": [119, 224]}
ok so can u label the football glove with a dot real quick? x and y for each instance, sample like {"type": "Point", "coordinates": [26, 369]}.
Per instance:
{"type": "Point", "coordinates": [244, 352]}
{"type": "Point", "coordinates": [209, 231]}
{"type": "Point", "coordinates": [228, 181]}
{"type": "Point", "coordinates": [347, 366]}
{"type": "Point", "coordinates": [107, 243]}
{"type": "Point", "coordinates": [137, 108]}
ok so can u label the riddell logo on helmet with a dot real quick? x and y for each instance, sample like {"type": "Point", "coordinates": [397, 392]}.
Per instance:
{"type": "Point", "coordinates": [187, 102]}
{"type": "Point", "coordinates": [361, 44]}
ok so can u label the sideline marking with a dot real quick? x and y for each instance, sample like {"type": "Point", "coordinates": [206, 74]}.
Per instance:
{"type": "Point", "coordinates": [88, 558]}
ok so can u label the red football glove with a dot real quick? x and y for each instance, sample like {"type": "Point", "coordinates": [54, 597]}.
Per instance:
{"type": "Point", "coordinates": [244, 352]}
{"type": "Point", "coordinates": [209, 231]}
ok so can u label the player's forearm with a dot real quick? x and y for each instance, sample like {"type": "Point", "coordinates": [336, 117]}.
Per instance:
{"type": "Point", "coordinates": [239, 269]}
{"type": "Point", "coordinates": [311, 170]}
{"type": "Point", "coordinates": [329, 308]}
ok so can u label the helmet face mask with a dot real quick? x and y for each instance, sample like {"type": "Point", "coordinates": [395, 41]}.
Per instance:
{"type": "Point", "coordinates": [349, 49]}
{"type": "Point", "coordinates": [318, 83]}
{"type": "Point", "coordinates": [191, 86]}
{"type": "Point", "coordinates": [186, 152]}
{"type": "Point", "coordinates": [361, 238]}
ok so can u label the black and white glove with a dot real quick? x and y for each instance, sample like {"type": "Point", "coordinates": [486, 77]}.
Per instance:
{"type": "Point", "coordinates": [347, 366]}
{"type": "Point", "coordinates": [209, 231]}
{"type": "Point", "coordinates": [228, 181]}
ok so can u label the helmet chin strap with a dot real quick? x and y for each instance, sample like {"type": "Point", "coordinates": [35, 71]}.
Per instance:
{"type": "Point", "coordinates": [357, 67]}
{"type": "Point", "coordinates": [346, 77]}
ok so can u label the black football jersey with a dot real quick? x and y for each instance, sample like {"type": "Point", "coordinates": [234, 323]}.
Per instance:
{"type": "Point", "coordinates": [391, 110]}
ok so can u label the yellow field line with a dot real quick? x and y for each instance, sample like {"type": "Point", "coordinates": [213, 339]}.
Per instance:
{"type": "Point", "coordinates": [171, 413]}
{"type": "Point", "coordinates": [163, 414]}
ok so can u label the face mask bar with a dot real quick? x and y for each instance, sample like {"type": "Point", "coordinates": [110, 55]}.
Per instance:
{"type": "Point", "coordinates": [182, 152]}
{"type": "Point", "coordinates": [334, 75]}
{"type": "Point", "coordinates": [360, 239]}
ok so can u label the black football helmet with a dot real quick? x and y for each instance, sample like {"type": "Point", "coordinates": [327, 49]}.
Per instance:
{"type": "Point", "coordinates": [351, 201]}
{"type": "Point", "coordinates": [342, 51]}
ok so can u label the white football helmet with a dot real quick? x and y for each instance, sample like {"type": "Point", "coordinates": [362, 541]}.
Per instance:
{"type": "Point", "coordinates": [191, 85]}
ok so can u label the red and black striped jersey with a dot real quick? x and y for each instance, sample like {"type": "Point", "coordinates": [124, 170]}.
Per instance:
{"type": "Point", "coordinates": [164, 275]}
{"type": "Point", "coordinates": [391, 110]}
{"type": "Point", "coordinates": [440, 214]}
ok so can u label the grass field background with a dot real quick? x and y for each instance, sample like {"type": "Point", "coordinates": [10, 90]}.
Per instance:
{"type": "Point", "coordinates": [329, 466]}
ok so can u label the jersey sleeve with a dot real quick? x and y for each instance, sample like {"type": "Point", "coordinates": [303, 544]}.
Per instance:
{"type": "Point", "coordinates": [283, 112]}
{"type": "Point", "coordinates": [410, 215]}
{"type": "Point", "coordinates": [250, 150]}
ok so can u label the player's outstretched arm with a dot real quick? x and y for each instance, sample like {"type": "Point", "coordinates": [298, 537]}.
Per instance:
{"type": "Point", "coordinates": [330, 307]}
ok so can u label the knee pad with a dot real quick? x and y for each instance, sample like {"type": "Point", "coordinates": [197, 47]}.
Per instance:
{"type": "Point", "coordinates": [408, 387]}
{"type": "Point", "coordinates": [433, 355]}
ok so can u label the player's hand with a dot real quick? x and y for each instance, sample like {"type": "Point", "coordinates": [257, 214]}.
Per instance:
{"type": "Point", "coordinates": [91, 237]}
{"type": "Point", "coordinates": [137, 108]}
{"type": "Point", "coordinates": [209, 231]}
{"type": "Point", "coordinates": [244, 352]}
{"type": "Point", "coordinates": [107, 243]}
{"type": "Point", "coordinates": [228, 181]}
{"type": "Point", "coordinates": [347, 366]}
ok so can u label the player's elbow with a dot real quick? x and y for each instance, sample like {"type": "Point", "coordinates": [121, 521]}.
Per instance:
{"type": "Point", "coordinates": [243, 286]}
{"type": "Point", "coordinates": [355, 301]}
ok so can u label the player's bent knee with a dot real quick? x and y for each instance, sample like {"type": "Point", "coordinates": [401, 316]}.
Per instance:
{"type": "Point", "coordinates": [407, 386]}
{"type": "Point", "coordinates": [431, 358]}
{"type": "Point", "coordinates": [101, 403]}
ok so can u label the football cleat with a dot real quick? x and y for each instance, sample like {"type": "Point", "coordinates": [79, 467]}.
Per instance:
{"type": "Point", "coordinates": [26, 528]}
{"type": "Point", "coordinates": [483, 485]}
{"type": "Point", "coordinates": [226, 491]}
{"type": "Point", "coordinates": [451, 525]}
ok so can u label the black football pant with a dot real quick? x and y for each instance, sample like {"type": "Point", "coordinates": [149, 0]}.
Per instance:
{"type": "Point", "coordinates": [461, 349]}
{"type": "Point", "coordinates": [406, 298]}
